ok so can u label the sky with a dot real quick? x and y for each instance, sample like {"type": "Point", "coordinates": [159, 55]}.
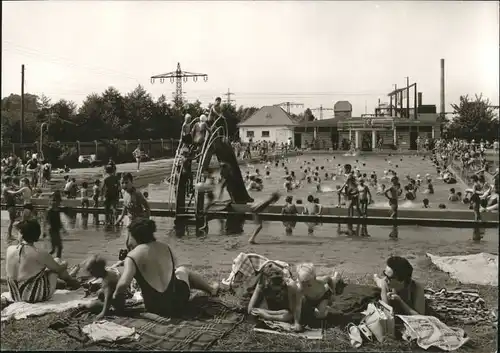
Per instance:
{"type": "Point", "coordinates": [310, 52]}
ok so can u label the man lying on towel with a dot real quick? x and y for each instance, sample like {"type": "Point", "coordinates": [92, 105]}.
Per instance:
{"type": "Point", "coordinates": [32, 273]}
{"type": "Point", "coordinates": [399, 290]}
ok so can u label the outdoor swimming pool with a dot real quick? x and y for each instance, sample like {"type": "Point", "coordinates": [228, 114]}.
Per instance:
{"type": "Point", "coordinates": [403, 165]}
{"type": "Point", "coordinates": [223, 248]}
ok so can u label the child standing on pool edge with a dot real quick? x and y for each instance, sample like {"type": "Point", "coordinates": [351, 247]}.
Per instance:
{"type": "Point", "coordinates": [393, 194]}
{"type": "Point", "coordinates": [289, 209]}
{"type": "Point", "coordinates": [54, 224]}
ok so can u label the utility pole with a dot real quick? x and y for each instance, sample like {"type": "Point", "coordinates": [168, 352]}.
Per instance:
{"type": "Point", "coordinates": [288, 105]}
{"type": "Point", "coordinates": [22, 102]}
{"type": "Point", "coordinates": [321, 111]}
{"type": "Point", "coordinates": [228, 95]}
{"type": "Point", "coordinates": [178, 76]}
{"type": "Point", "coordinates": [407, 97]}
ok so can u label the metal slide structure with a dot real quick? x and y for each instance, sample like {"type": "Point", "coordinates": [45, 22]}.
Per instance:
{"type": "Point", "coordinates": [189, 203]}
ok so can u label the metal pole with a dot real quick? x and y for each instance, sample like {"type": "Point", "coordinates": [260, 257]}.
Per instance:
{"type": "Point", "coordinates": [415, 103]}
{"type": "Point", "coordinates": [407, 97]}
{"type": "Point", "coordinates": [442, 89]}
{"type": "Point", "coordinates": [22, 104]}
{"type": "Point", "coordinates": [41, 139]}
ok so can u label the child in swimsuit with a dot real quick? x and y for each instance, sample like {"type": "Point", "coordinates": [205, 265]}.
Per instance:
{"type": "Point", "coordinates": [352, 193]}
{"type": "Point", "coordinates": [96, 266]}
{"type": "Point", "coordinates": [54, 224]}
{"type": "Point", "coordinates": [26, 192]}
{"type": "Point", "coordinates": [289, 209]}
{"type": "Point", "coordinates": [392, 194]}
{"type": "Point", "coordinates": [365, 198]}
{"type": "Point", "coordinates": [311, 209]}
{"type": "Point", "coordinates": [315, 293]}
{"type": "Point", "coordinates": [10, 203]}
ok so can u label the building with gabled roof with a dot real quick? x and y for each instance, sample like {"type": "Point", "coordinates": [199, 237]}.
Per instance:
{"type": "Point", "coordinates": [270, 123]}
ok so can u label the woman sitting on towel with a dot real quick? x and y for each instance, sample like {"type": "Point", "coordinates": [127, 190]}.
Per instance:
{"type": "Point", "coordinates": [399, 290]}
{"type": "Point", "coordinates": [32, 273]}
{"type": "Point", "coordinates": [165, 289]}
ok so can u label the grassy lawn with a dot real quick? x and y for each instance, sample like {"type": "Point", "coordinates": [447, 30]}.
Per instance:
{"type": "Point", "coordinates": [33, 333]}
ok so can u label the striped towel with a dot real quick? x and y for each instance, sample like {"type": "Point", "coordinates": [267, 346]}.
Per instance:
{"type": "Point", "coordinates": [246, 266]}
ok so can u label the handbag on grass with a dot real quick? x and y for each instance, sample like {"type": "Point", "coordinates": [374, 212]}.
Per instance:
{"type": "Point", "coordinates": [379, 318]}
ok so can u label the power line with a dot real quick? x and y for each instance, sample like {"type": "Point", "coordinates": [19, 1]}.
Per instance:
{"type": "Point", "coordinates": [321, 109]}
{"type": "Point", "coordinates": [288, 105]}
{"type": "Point", "coordinates": [178, 76]}
{"type": "Point", "coordinates": [228, 95]}
{"type": "Point", "coordinates": [65, 61]}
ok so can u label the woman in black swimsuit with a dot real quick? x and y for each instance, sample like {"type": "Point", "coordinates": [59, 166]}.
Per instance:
{"type": "Point", "coordinates": [165, 289]}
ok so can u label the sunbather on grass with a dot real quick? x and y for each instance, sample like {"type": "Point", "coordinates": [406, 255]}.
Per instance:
{"type": "Point", "coordinates": [32, 273]}
{"type": "Point", "coordinates": [399, 290]}
{"type": "Point", "coordinates": [273, 296]}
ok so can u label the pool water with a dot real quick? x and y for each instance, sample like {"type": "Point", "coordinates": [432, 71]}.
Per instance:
{"type": "Point", "coordinates": [403, 165]}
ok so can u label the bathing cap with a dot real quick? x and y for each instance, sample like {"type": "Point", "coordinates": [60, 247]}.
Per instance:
{"type": "Point", "coordinates": [187, 116]}
{"type": "Point", "coordinates": [203, 118]}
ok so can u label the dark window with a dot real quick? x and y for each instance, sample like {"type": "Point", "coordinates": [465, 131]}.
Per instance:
{"type": "Point", "coordinates": [265, 133]}
{"type": "Point", "coordinates": [250, 134]}
{"type": "Point", "coordinates": [425, 128]}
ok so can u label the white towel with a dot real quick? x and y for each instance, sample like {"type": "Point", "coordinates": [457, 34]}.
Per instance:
{"type": "Point", "coordinates": [465, 268]}
{"type": "Point", "coordinates": [105, 331]}
{"type": "Point", "coordinates": [62, 300]}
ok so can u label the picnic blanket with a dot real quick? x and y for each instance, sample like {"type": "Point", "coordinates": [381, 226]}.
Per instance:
{"type": "Point", "coordinates": [479, 268]}
{"type": "Point", "coordinates": [429, 331]}
{"type": "Point", "coordinates": [205, 321]}
{"type": "Point", "coordinates": [62, 300]}
{"type": "Point", "coordinates": [463, 306]}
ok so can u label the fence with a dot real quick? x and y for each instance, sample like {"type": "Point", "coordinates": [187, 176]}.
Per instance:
{"type": "Point", "coordinates": [103, 149]}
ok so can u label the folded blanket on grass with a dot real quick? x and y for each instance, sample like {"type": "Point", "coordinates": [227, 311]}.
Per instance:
{"type": "Point", "coordinates": [105, 331]}
{"type": "Point", "coordinates": [205, 321]}
{"type": "Point", "coordinates": [465, 268]}
{"type": "Point", "coordinates": [62, 300]}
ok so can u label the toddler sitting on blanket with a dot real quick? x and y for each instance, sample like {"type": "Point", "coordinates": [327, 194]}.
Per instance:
{"type": "Point", "coordinates": [96, 266]}
{"type": "Point", "coordinates": [315, 293]}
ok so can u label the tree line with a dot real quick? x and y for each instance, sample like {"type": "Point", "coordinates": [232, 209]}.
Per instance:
{"type": "Point", "coordinates": [137, 115]}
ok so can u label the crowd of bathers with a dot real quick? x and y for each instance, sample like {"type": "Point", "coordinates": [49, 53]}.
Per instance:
{"type": "Point", "coordinates": [149, 266]}
{"type": "Point", "coordinates": [165, 287]}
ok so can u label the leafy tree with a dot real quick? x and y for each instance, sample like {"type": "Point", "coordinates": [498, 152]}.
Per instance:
{"type": "Point", "coordinates": [308, 115]}
{"type": "Point", "coordinates": [475, 119]}
{"type": "Point", "coordinates": [139, 111]}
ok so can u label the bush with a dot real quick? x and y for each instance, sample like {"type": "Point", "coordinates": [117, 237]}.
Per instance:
{"type": "Point", "coordinates": [69, 157]}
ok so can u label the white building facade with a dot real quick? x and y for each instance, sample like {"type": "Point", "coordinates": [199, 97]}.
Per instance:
{"type": "Point", "coordinates": [277, 134]}
{"type": "Point", "coordinates": [270, 123]}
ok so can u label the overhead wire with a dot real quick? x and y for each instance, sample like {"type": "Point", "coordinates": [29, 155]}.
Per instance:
{"type": "Point", "coordinates": [204, 94]}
